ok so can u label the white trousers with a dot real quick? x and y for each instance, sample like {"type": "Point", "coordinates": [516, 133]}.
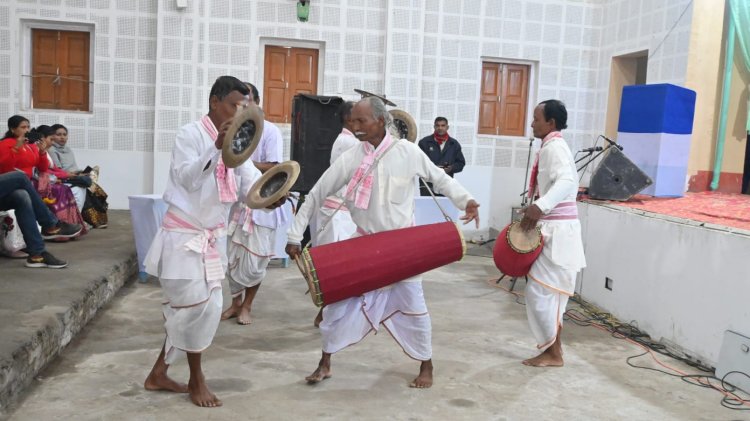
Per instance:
{"type": "Point", "coordinates": [400, 308]}
{"type": "Point", "coordinates": [192, 311]}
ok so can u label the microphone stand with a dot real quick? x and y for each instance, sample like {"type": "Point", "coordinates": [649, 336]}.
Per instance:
{"type": "Point", "coordinates": [591, 159]}
{"type": "Point", "coordinates": [524, 196]}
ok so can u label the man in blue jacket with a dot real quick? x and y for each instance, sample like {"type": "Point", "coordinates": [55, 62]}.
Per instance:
{"type": "Point", "coordinates": [443, 150]}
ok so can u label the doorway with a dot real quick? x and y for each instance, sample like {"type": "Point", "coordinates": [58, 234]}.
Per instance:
{"type": "Point", "coordinates": [627, 69]}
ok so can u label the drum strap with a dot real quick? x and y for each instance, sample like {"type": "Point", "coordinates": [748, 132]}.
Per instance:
{"type": "Point", "coordinates": [424, 183]}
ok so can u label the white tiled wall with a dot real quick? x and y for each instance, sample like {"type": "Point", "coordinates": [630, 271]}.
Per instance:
{"type": "Point", "coordinates": [660, 26]}
{"type": "Point", "coordinates": [154, 65]}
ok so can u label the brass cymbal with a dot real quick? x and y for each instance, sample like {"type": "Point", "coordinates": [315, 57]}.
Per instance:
{"type": "Point", "coordinates": [242, 136]}
{"type": "Point", "coordinates": [365, 94]}
{"type": "Point", "coordinates": [273, 185]}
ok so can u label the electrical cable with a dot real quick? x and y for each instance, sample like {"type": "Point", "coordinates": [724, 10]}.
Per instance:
{"type": "Point", "coordinates": [589, 315]}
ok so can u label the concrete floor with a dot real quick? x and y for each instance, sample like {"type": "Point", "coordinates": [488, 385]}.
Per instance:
{"type": "Point", "coordinates": [480, 336]}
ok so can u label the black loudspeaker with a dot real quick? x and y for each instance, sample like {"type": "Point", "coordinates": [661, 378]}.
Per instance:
{"type": "Point", "coordinates": [617, 178]}
{"type": "Point", "coordinates": [315, 126]}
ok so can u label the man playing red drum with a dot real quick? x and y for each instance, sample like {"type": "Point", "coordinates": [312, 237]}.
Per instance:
{"type": "Point", "coordinates": [382, 201]}
{"type": "Point", "coordinates": [553, 274]}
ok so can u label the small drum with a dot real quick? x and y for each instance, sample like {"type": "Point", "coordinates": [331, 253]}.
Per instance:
{"type": "Point", "coordinates": [516, 250]}
{"type": "Point", "coordinates": [350, 268]}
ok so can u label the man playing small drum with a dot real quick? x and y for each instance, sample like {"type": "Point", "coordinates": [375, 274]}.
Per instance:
{"type": "Point", "coordinates": [553, 274]}
{"type": "Point", "coordinates": [383, 201]}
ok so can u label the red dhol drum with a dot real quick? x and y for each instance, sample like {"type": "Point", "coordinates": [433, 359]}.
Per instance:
{"type": "Point", "coordinates": [350, 268]}
{"type": "Point", "coordinates": [516, 250]}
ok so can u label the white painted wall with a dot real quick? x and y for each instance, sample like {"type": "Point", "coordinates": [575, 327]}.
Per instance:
{"type": "Point", "coordinates": [677, 281]}
{"type": "Point", "coordinates": [154, 64]}
{"type": "Point", "coordinates": [124, 173]}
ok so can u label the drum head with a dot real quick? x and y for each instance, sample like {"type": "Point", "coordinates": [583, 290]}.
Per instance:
{"type": "Point", "coordinates": [365, 94]}
{"type": "Point", "coordinates": [242, 136]}
{"type": "Point", "coordinates": [523, 241]}
{"type": "Point", "coordinates": [404, 124]}
{"type": "Point", "coordinates": [307, 268]}
{"type": "Point", "coordinates": [273, 185]}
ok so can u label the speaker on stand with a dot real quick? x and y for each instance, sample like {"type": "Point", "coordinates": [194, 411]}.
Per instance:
{"type": "Point", "coordinates": [315, 126]}
{"type": "Point", "coordinates": [616, 177]}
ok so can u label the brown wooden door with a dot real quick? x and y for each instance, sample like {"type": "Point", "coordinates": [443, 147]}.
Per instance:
{"type": "Point", "coordinates": [490, 98]}
{"type": "Point", "coordinates": [504, 99]}
{"type": "Point", "coordinates": [74, 58]}
{"type": "Point", "coordinates": [44, 69]}
{"type": "Point", "coordinates": [60, 69]}
{"type": "Point", "coordinates": [288, 71]}
{"type": "Point", "coordinates": [513, 103]}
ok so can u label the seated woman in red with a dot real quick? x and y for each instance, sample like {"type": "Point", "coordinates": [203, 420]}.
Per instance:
{"type": "Point", "coordinates": [20, 151]}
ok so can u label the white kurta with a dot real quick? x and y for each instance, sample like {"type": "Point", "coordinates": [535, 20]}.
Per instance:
{"type": "Point", "coordinates": [554, 273]}
{"type": "Point", "coordinates": [191, 304]}
{"type": "Point", "coordinates": [325, 225]}
{"type": "Point", "coordinates": [250, 245]}
{"type": "Point", "coordinates": [400, 307]}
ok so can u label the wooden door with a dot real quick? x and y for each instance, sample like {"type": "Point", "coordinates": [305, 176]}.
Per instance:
{"type": "Point", "coordinates": [489, 99]}
{"type": "Point", "coordinates": [60, 69]}
{"type": "Point", "coordinates": [513, 103]}
{"type": "Point", "coordinates": [503, 99]}
{"type": "Point", "coordinates": [288, 71]}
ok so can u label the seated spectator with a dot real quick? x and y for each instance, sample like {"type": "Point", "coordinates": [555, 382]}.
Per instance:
{"type": "Point", "coordinates": [20, 151]}
{"type": "Point", "coordinates": [95, 207]}
{"type": "Point", "coordinates": [17, 193]}
{"type": "Point", "coordinates": [77, 182]}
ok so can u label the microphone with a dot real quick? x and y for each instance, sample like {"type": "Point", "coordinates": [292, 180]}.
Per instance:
{"type": "Point", "coordinates": [592, 149]}
{"type": "Point", "coordinates": [612, 142]}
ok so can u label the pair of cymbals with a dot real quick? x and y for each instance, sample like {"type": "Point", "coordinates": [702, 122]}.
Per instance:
{"type": "Point", "coordinates": [240, 141]}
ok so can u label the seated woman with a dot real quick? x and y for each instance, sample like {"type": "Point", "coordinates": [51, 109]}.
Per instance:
{"type": "Point", "coordinates": [95, 207]}
{"type": "Point", "coordinates": [77, 183]}
{"type": "Point", "coordinates": [19, 150]}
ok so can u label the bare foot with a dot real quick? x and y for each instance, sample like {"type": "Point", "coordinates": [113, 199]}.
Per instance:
{"type": "Point", "coordinates": [201, 396]}
{"type": "Point", "coordinates": [318, 318]}
{"type": "Point", "coordinates": [163, 382]}
{"type": "Point", "coordinates": [230, 313]}
{"type": "Point", "coordinates": [244, 317]}
{"type": "Point", "coordinates": [320, 374]}
{"type": "Point", "coordinates": [545, 359]}
{"type": "Point", "coordinates": [424, 379]}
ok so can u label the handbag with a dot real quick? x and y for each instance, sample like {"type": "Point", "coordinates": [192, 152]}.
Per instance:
{"type": "Point", "coordinates": [11, 238]}
{"type": "Point", "coordinates": [95, 207]}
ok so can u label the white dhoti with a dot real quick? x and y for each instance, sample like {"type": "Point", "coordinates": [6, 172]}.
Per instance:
{"type": "Point", "coordinates": [399, 307]}
{"type": "Point", "coordinates": [249, 251]}
{"type": "Point", "coordinates": [553, 278]}
{"type": "Point", "coordinates": [545, 304]}
{"type": "Point", "coordinates": [339, 227]}
{"type": "Point", "coordinates": [192, 311]}
{"type": "Point", "coordinates": [179, 254]}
